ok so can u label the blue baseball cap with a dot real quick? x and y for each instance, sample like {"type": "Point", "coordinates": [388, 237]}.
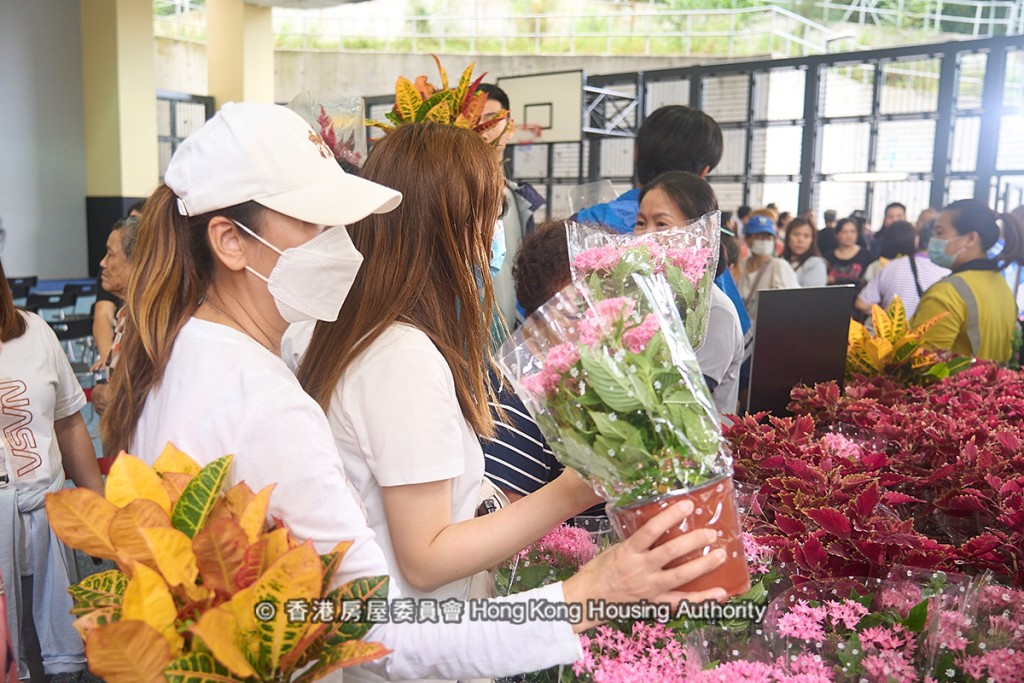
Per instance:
{"type": "Point", "coordinates": [759, 225]}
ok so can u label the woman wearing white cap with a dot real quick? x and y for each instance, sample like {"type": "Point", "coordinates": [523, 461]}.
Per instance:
{"type": "Point", "coordinates": [231, 250]}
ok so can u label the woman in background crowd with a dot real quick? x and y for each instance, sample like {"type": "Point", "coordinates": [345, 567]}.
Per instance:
{"type": "Point", "coordinates": [908, 274]}
{"type": "Point", "coordinates": [849, 261]}
{"type": "Point", "coordinates": [981, 315]}
{"type": "Point", "coordinates": [674, 199]}
{"type": "Point", "coordinates": [762, 269]}
{"type": "Point", "coordinates": [801, 252]}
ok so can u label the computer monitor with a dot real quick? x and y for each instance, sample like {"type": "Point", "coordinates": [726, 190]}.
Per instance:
{"type": "Point", "coordinates": [800, 338]}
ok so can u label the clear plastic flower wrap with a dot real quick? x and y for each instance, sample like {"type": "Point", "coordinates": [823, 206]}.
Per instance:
{"type": "Point", "coordinates": [606, 369]}
{"type": "Point", "coordinates": [687, 255]}
{"type": "Point", "coordinates": [340, 122]}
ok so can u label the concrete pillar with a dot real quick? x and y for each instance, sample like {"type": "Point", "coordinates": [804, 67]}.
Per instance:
{"type": "Point", "coordinates": [240, 52]}
{"type": "Point", "coordinates": [119, 87]}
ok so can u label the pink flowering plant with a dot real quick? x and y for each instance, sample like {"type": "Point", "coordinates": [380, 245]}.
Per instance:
{"type": "Point", "coordinates": [607, 370]}
{"type": "Point", "coordinates": [339, 123]}
{"type": "Point", "coordinates": [686, 255]}
{"type": "Point", "coordinates": [555, 557]}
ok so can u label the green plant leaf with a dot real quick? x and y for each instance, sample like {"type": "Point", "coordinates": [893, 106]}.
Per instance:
{"type": "Point", "coordinates": [608, 380]}
{"type": "Point", "coordinates": [917, 618]}
{"type": "Point", "coordinates": [199, 496]}
{"type": "Point", "coordinates": [438, 101]}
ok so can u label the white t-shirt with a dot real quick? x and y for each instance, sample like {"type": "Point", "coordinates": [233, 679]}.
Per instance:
{"type": "Point", "coordinates": [776, 274]}
{"type": "Point", "coordinates": [396, 420]}
{"type": "Point", "coordinates": [37, 387]}
{"type": "Point", "coordinates": [721, 354]}
{"type": "Point", "coordinates": [224, 393]}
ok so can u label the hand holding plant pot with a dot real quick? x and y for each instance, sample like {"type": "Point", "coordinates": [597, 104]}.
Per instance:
{"type": "Point", "coordinates": [607, 370]}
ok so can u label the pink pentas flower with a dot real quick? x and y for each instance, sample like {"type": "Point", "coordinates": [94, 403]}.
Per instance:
{"type": "Point", "coordinates": [952, 629]}
{"type": "Point", "coordinates": [648, 653]}
{"type": "Point", "coordinates": [636, 338]}
{"type": "Point", "coordinates": [602, 317]}
{"type": "Point", "coordinates": [848, 612]}
{"type": "Point", "coordinates": [887, 666]}
{"type": "Point", "coordinates": [884, 638]}
{"type": "Point", "coordinates": [759, 556]}
{"type": "Point", "coordinates": [740, 671]}
{"type": "Point", "coordinates": [1001, 665]}
{"type": "Point", "coordinates": [565, 546]}
{"type": "Point", "coordinates": [900, 598]}
{"type": "Point", "coordinates": [802, 623]}
{"type": "Point", "coordinates": [841, 446]}
{"type": "Point", "coordinates": [806, 665]}
{"type": "Point", "coordinates": [561, 358]}
{"type": "Point", "coordinates": [598, 259]}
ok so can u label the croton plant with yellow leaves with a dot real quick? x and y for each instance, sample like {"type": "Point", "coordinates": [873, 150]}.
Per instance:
{"type": "Point", "coordinates": [895, 350]}
{"type": "Point", "coordinates": [421, 100]}
{"type": "Point", "coordinates": [195, 563]}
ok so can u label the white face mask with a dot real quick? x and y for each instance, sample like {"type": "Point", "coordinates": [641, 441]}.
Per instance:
{"type": "Point", "coordinates": [762, 247]}
{"type": "Point", "coordinates": [311, 281]}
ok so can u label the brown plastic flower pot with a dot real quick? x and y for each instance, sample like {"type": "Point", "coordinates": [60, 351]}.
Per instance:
{"type": "Point", "coordinates": [714, 507]}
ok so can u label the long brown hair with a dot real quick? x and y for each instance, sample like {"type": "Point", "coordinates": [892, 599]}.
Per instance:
{"type": "Point", "coordinates": [419, 262]}
{"type": "Point", "coordinates": [787, 253]}
{"type": "Point", "coordinates": [171, 269]}
{"type": "Point", "coordinates": [12, 324]}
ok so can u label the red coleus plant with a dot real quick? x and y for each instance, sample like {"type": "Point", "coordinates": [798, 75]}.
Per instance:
{"type": "Point", "coordinates": [933, 477]}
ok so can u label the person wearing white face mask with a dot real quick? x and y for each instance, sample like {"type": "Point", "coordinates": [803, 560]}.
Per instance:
{"type": "Point", "coordinates": [207, 305]}
{"type": "Point", "coordinates": [762, 269]}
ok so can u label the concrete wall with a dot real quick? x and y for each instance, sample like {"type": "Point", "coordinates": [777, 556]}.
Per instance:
{"type": "Point", "coordinates": [181, 67]}
{"type": "Point", "coordinates": [42, 147]}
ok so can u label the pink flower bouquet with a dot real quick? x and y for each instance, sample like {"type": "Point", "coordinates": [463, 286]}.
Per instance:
{"type": "Point", "coordinates": [686, 255]}
{"type": "Point", "coordinates": [607, 370]}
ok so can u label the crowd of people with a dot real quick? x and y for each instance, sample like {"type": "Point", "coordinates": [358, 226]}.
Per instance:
{"type": "Point", "coordinates": [384, 294]}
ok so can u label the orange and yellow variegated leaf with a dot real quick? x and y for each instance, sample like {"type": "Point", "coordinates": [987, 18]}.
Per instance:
{"type": "Point", "coordinates": [857, 333]}
{"type": "Point", "coordinates": [386, 127]}
{"type": "Point", "coordinates": [441, 72]}
{"type": "Point", "coordinates": [105, 589]}
{"type": "Point", "coordinates": [859, 364]}
{"type": "Point", "coordinates": [407, 99]}
{"type": "Point", "coordinates": [498, 119]}
{"type": "Point", "coordinates": [220, 552]}
{"type": "Point", "coordinates": [219, 631]}
{"type": "Point", "coordinates": [905, 348]}
{"type": "Point", "coordinates": [882, 324]}
{"type": "Point", "coordinates": [243, 608]}
{"type": "Point", "coordinates": [252, 565]}
{"type": "Point", "coordinates": [296, 575]}
{"type": "Point", "coordinates": [462, 92]}
{"type": "Point", "coordinates": [474, 108]}
{"type": "Point", "coordinates": [128, 652]}
{"type": "Point", "coordinates": [331, 561]}
{"type": "Point", "coordinates": [440, 113]}
{"type": "Point", "coordinates": [279, 541]}
{"type": "Point", "coordinates": [898, 315]}
{"type": "Point", "coordinates": [173, 554]}
{"type": "Point", "coordinates": [462, 122]}
{"type": "Point", "coordinates": [424, 87]}
{"type": "Point", "coordinates": [174, 483]}
{"type": "Point", "coordinates": [131, 479]}
{"type": "Point", "coordinates": [350, 653]}
{"type": "Point", "coordinates": [173, 460]}
{"type": "Point", "coordinates": [878, 351]}
{"type": "Point", "coordinates": [253, 515]}
{"type": "Point", "coordinates": [82, 520]}
{"type": "Point", "coordinates": [127, 525]}
{"type": "Point", "coordinates": [920, 330]}
{"type": "Point", "coordinates": [923, 359]}
{"type": "Point", "coordinates": [147, 598]}
{"type": "Point", "coordinates": [87, 623]}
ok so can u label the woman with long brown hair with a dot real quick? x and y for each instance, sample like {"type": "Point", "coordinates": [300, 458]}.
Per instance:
{"type": "Point", "coordinates": [42, 436]}
{"type": "Point", "coordinates": [402, 372]}
{"type": "Point", "coordinates": [235, 246]}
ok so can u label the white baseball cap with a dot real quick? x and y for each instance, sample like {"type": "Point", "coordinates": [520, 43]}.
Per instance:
{"type": "Point", "coordinates": [268, 154]}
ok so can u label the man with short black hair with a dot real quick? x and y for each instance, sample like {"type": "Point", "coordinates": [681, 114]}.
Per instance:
{"type": "Point", "coordinates": [894, 213]}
